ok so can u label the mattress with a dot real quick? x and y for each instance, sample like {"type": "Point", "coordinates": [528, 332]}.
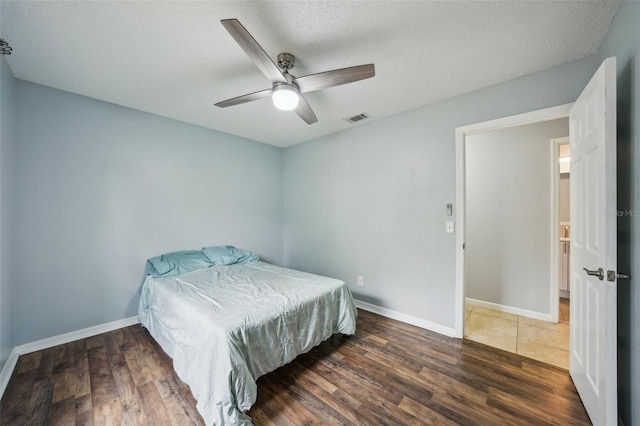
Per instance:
{"type": "Point", "coordinates": [225, 326]}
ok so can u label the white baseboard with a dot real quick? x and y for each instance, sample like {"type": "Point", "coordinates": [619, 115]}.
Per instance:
{"type": "Point", "coordinates": [7, 370]}
{"type": "Point", "coordinates": [509, 309]}
{"type": "Point", "coordinates": [409, 319]}
{"type": "Point", "coordinates": [72, 336]}
{"type": "Point", "coordinates": [60, 339]}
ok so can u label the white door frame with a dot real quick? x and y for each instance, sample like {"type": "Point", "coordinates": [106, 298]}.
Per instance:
{"type": "Point", "coordinates": [561, 111]}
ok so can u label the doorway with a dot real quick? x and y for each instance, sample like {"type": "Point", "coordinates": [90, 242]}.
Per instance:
{"type": "Point", "coordinates": [594, 275]}
{"type": "Point", "coordinates": [509, 291]}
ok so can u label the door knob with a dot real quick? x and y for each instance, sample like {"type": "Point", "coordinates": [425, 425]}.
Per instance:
{"type": "Point", "coordinates": [599, 273]}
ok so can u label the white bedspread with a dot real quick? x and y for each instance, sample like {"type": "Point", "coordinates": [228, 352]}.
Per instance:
{"type": "Point", "coordinates": [225, 326]}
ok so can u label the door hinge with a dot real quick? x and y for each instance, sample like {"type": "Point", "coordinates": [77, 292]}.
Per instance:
{"type": "Point", "coordinates": [613, 275]}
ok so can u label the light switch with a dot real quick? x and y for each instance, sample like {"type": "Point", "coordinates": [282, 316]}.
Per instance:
{"type": "Point", "coordinates": [449, 209]}
{"type": "Point", "coordinates": [448, 227]}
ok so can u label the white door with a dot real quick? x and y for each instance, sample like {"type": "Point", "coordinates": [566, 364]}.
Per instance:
{"type": "Point", "coordinates": [593, 351]}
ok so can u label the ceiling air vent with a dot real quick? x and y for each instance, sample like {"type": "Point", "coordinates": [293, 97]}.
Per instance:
{"type": "Point", "coordinates": [357, 118]}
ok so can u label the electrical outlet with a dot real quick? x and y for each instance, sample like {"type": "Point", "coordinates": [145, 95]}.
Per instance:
{"type": "Point", "coordinates": [360, 281]}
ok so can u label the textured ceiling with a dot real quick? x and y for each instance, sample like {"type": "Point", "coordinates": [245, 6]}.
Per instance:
{"type": "Point", "coordinates": [176, 60]}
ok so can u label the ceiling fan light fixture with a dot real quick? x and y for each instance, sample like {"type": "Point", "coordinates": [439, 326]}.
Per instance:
{"type": "Point", "coordinates": [285, 96]}
{"type": "Point", "coordinates": [286, 89]}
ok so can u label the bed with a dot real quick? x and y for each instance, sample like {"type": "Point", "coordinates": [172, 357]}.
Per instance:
{"type": "Point", "coordinates": [227, 322]}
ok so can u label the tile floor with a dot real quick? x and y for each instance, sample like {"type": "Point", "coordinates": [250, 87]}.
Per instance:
{"type": "Point", "coordinates": [540, 340]}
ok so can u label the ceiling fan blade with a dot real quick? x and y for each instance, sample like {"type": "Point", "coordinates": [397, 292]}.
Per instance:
{"type": "Point", "coordinates": [326, 79]}
{"type": "Point", "coordinates": [305, 112]}
{"type": "Point", "coordinates": [245, 98]}
{"type": "Point", "coordinates": [253, 50]}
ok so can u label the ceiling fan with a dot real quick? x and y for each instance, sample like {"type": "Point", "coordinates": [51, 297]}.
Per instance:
{"type": "Point", "coordinates": [287, 89]}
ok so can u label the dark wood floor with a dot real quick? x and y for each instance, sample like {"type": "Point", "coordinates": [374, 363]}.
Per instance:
{"type": "Point", "coordinates": [387, 373]}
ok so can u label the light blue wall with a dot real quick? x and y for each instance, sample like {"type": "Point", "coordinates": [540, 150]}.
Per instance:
{"type": "Point", "coordinates": [371, 201]}
{"type": "Point", "coordinates": [7, 158]}
{"type": "Point", "coordinates": [101, 188]}
{"type": "Point", "coordinates": [623, 42]}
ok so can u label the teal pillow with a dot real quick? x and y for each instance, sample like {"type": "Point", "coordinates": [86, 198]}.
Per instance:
{"type": "Point", "coordinates": [178, 262]}
{"type": "Point", "coordinates": [228, 255]}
